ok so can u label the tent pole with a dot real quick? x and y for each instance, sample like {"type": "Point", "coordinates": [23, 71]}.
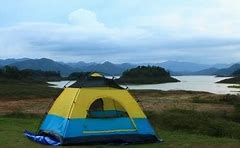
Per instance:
{"type": "Point", "coordinates": [71, 109]}
{"type": "Point", "coordinates": [49, 106]}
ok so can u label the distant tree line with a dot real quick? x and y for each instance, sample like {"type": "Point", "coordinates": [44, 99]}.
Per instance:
{"type": "Point", "coordinates": [10, 72]}
{"type": "Point", "coordinates": [138, 75]}
{"type": "Point", "coordinates": [234, 80]}
{"type": "Point", "coordinates": [145, 71]}
{"type": "Point", "coordinates": [77, 75]}
{"type": "Point", "coordinates": [236, 73]}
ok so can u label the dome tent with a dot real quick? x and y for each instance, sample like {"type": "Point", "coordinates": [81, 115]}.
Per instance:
{"type": "Point", "coordinates": [94, 110]}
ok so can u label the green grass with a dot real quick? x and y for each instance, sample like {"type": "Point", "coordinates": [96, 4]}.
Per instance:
{"type": "Point", "coordinates": [230, 99]}
{"type": "Point", "coordinates": [202, 100]}
{"type": "Point", "coordinates": [198, 123]}
{"type": "Point", "coordinates": [12, 127]}
{"type": "Point", "coordinates": [223, 99]}
{"type": "Point", "coordinates": [15, 90]}
{"type": "Point", "coordinates": [11, 130]}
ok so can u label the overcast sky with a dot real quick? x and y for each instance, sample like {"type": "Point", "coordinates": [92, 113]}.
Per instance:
{"type": "Point", "coordinates": [137, 31]}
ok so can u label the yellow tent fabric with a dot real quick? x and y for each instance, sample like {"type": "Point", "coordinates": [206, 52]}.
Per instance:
{"type": "Point", "coordinates": [96, 75]}
{"type": "Point", "coordinates": [75, 102]}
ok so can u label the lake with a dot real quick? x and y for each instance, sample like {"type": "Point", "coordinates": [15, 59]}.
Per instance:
{"type": "Point", "coordinates": [194, 83]}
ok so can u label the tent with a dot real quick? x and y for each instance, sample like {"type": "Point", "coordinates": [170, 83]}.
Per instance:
{"type": "Point", "coordinates": [94, 110]}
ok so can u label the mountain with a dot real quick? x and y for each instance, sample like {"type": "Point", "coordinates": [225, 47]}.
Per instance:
{"type": "Point", "coordinates": [44, 65]}
{"type": "Point", "coordinates": [221, 66]}
{"type": "Point", "coordinates": [189, 68]}
{"type": "Point", "coordinates": [127, 66]}
{"type": "Point", "coordinates": [228, 71]}
{"type": "Point", "coordinates": [81, 64]}
{"type": "Point", "coordinates": [209, 71]}
{"type": "Point", "coordinates": [174, 67]}
{"type": "Point", "coordinates": [109, 68]}
{"type": "Point", "coordinates": [236, 73]}
{"type": "Point", "coordinates": [182, 66]}
{"type": "Point", "coordinates": [106, 67]}
{"type": "Point", "coordinates": [66, 68]}
{"type": "Point", "coordinates": [218, 71]}
{"type": "Point", "coordinates": [11, 61]}
{"type": "Point", "coordinates": [233, 71]}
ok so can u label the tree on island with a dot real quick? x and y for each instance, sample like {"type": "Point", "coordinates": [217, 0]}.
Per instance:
{"type": "Point", "coordinates": [234, 80]}
{"type": "Point", "coordinates": [236, 73]}
{"type": "Point", "coordinates": [146, 75]}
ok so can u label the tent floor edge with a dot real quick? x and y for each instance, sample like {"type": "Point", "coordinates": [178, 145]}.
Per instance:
{"type": "Point", "coordinates": [118, 139]}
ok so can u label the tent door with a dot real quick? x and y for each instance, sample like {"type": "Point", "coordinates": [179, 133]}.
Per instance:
{"type": "Point", "coordinates": [109, 125]}
{"type": "Point", "coordinates": [107, 116]}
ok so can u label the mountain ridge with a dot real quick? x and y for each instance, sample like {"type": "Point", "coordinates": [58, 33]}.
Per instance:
{"type": "Point", "coordinates": [228, 71]}
{"type": "Point", "coordinates": [45, 65]}
{"type": "Point", "coordinates": [174, 67]}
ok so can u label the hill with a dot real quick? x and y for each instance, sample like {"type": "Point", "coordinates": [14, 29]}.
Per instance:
{"type": "Point", "coordinates": [81, 64]}
{"type": "Point", "coordinates": [28, 75]}
{"type": "Point", "coordinates": [228, 71]}
{"type": "Point", "coordinates": [77, 76]}
{"type": "Point", "coordinates": [234, 80]}
{"type": "Point", "coordinates": [44, 65]}
{"type": "Point", "coordinates": [189, 68]}
{"type": "Point", "coordinates": [218, 71]}
{"type": "Point", "coordinates": [106, 67]}
{"type": "Point", "coordinates": [146, 75]}
{"type": "Point", "coordinates": [177, 66]}
{"type": "Point", "coordinates": [209, 71]}
{"type": "Point", "coordinates": [11, 61]}
{"type": "Point", "coordinates": [236, 73]}
{"type": "Point", "coordinates": [65, 69]}
{"type": "Point", "coordinates": [109, 68]}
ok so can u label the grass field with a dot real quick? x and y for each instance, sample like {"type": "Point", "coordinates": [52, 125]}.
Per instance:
{"type": "Point", "coordinates": [11, 129]}
{"type": "Point", "coordinates": [182, 118]}
{"type": "Point", "coordinates": [18, 90]}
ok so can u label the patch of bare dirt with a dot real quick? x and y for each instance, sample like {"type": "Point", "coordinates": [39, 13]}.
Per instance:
{"type": "Point", "coordinates": [36, 106]}
{"type": "Point", "coordinates": [159, 101]}
{"type": "Point", "coordinates": [150, 101]}
{"type": "Point", "coordinates": [160, 106]}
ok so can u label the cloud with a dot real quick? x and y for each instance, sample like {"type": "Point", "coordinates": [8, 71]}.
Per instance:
{"type": "Point", "coordinates": [187, 33]}
{"type": "Point", "coordinates": [84, 18]}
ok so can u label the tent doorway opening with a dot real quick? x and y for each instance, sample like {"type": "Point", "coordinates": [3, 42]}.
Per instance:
{"type": "Point", "coordinates": [108, 116]}
{"type": "Point", "coordinates": [106, 108]}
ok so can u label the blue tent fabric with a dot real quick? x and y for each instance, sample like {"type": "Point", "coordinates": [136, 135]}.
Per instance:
{"type": "Point", "coordinates": [42, 139]}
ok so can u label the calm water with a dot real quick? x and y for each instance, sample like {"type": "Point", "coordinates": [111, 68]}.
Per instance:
{"type": "Point", "coordinates": [61, 84]}
{"type": "Point", "coordinates": [194, 83]}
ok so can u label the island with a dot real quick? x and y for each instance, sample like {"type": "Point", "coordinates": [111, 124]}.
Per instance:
{"type": "Point", "coordinates": [234, 80]}
{"type": "Point", "coordinates": [146, 75]}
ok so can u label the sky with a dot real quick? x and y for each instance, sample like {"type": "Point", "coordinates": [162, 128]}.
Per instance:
{"type": "Point", "coordinates": [135, 31]}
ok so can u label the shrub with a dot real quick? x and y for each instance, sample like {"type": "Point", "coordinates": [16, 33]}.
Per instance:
{"type": "Point", "coordinates": [230, 99]}
{"type": "Point", "coordinates": [19, 114]}
{"type": "Point", "coordinates": [201, 100]}
{"type": "Point", "coordinates": [237, 107]}
{"type": "Point", "coordinates": [196, 122]}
